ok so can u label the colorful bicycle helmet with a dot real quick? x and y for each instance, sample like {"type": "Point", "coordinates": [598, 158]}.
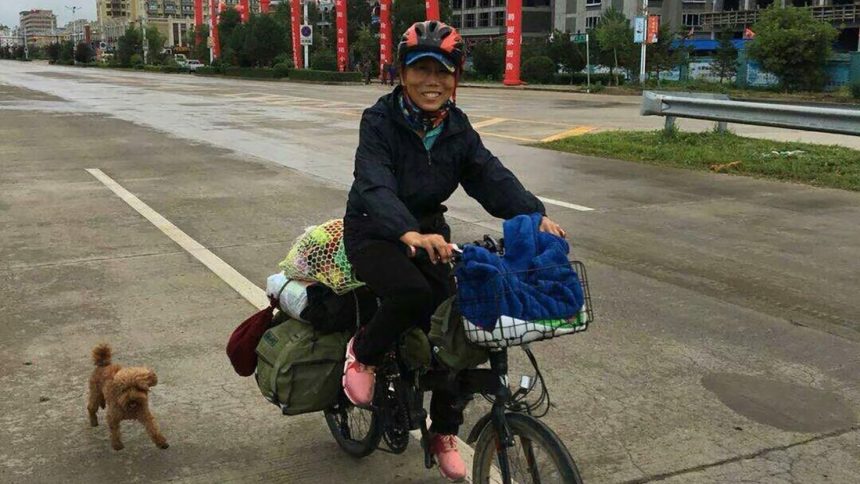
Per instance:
{"type": "Point", "coordinates": [432, 38]}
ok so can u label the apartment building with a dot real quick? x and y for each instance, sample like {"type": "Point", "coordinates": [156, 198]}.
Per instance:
{"type": "Point", "coordinates": [486, 18]}
{"type": "Point", "coordinates": [37, 23]}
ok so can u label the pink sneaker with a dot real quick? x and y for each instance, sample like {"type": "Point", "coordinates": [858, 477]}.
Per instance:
{"type": "Point", "coordinates": [451, 465]}
{"type": "Point", "coordinates": [358, 378]}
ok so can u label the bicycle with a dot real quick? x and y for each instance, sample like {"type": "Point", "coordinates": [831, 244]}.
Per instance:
{"type": "Point", "coordinates": [397, 408]}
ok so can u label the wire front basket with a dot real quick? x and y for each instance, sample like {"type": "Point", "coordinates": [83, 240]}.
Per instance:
{"type": "Point", "coordinates": [511, 331]}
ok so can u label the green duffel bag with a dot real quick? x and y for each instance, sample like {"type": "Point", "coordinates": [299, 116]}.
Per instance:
{"type": "Point", "coordinates": [448, 339]}
{"type": "Point", "coordinates": [299, 369]}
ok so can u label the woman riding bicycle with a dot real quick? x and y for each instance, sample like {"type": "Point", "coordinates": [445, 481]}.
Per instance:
{"type": "Point", "coordinates": [415, 147]}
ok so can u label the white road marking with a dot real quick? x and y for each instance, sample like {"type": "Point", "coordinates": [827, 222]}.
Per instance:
{"type": "Point", "coordinates": [573, 206]}
{"type": "Point", "coordinates": [232, 277]}
{"type": "Point", "coordinates": [488, 122]}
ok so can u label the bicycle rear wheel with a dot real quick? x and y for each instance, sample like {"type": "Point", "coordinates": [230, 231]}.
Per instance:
{"type": "Point", "coordinates": [356, 430]}
{"type": "Point", "coordinates": [538, 455]}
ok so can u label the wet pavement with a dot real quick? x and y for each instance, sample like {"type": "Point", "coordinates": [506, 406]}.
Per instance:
{"type": "Point", "coordinates": [726, 345]}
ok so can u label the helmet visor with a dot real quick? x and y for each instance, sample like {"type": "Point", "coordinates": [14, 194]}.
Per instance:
{"type": "Point", "coordinates": [413, 57]}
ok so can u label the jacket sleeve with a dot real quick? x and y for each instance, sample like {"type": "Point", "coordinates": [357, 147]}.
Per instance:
{"type": "Point", "coordinates": [497, 189]}
{"type": "Point", "coordinates": [376, 184]}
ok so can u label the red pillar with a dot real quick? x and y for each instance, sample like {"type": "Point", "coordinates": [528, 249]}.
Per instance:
{"type": "Point", "coordinates": [198, 21]}
{"type": "Point", "coordinates": [432, 7]}
{"type": "Point", "coordinates": [342, 41]}
{"type": "Point", "coordinates": [213, 27]}
{"type": "Point", "coordinates": [245, 10]}
{"type": "Point", "coordinates": [384, 33]}
{"type": "Point", "coordinates": [264, 6]}
{"type": "Point", "coordinates": [513, 41]}
{"type": "Point", "coordinates": [295, 13]}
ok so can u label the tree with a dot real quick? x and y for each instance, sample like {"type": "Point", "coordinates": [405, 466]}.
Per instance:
{"type": "Point", "coordinates": [265, 39]}
{"type": "Point", "coordinates": [488, 58]}
{"type": "Point", "coordinates": [725, 63]}
{"type": "Point", "coordinates": [661, 56]}
{"type": "Point", "coordinates": [128, 45]}
{"type": "Point", "coordinates": [200, 50]}
{"type": "Point", "coordinates": [365, 47]}
{"type": "Point", "coordinates": [53, 51]}
{"type": "Point", "coordinates": [84, 53]}
{"type": "Point", "coordinates": [67, 52]}
{"type": "Point", "coordinates": [568, 56]}
{"type": "Point", "coordinates": [614, 37]}
{"type": "Point", "coordinates": [282, 16]}
{"type": "Point", "coordinates": [790, 43]}
{"type": "Point", "coordinates": [228, 21]}
{"type": "Point", "coordinates": [155, 45]}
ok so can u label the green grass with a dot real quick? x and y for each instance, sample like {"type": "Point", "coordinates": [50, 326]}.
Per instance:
{"type": "Point", "coordinates": [820, 165]}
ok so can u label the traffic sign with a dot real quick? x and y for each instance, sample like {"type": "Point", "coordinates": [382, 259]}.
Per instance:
{"type": "Point", "coordinates": [579, 38]}
{"type": "Point", "coordinates": [307, 34]}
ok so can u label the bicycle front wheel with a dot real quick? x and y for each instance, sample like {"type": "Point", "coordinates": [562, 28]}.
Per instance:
{"type": "Point", "coordinates": [537, 456]}
{"type": "Point", "coordinates": [356, 430]}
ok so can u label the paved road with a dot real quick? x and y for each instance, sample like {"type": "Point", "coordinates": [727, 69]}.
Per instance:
{"type": "Point", "coordinates": [728, 335]}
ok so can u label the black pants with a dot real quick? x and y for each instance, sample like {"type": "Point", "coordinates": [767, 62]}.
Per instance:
{"type": "Point", "coordinates": [409, 292]}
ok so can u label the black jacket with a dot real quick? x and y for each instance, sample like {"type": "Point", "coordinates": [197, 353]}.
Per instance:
{"type": "Point", "coordinates": [399, 184]}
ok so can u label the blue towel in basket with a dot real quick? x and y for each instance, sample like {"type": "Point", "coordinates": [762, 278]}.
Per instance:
{"type": "Point", "coordinates": [532, 281]}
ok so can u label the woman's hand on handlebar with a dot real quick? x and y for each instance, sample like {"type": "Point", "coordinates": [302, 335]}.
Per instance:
{"type": "Point", "coordinates": [548, 226]}
{"type": "Point", "coordinates": [437, 248]}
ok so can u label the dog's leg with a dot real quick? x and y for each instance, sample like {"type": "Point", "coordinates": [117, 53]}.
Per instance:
{"type": "Point", "coordinates": [148, 421]}
{"type": "Point", "coordinates": [113, 420]}
{"type": "Point", "coordinates": [93, 405]}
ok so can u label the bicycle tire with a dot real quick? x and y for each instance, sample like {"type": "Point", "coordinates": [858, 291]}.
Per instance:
{"type": "Point", "coordinates": [524, 429]}
{"type": "Point", "coordinates": [341, 423]}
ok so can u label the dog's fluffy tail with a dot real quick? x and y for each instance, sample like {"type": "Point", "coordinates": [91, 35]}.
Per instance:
{"type": "Point", "coordinates": [102, 354]}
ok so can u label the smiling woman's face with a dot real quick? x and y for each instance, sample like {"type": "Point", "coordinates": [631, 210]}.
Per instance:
{"type": "Point", "coordinates": [428, 83]}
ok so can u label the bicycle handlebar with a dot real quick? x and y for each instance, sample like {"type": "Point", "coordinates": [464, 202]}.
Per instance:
{"type": "Point", "coordinates": [488, 242]}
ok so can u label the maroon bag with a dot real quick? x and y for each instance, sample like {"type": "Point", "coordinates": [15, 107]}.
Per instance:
{"type": "Point", "coordinates": [242, 347]}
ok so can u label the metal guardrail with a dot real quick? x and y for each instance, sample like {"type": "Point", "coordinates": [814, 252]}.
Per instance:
{"type": "Point", "coordinates": [723, 110]}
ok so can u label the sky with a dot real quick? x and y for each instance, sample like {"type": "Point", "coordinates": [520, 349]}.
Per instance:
{"type": "Point", "coordinates": [9, 10]}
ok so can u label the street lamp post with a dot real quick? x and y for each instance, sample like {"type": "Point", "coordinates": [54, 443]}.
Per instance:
{"type": "Point", "coordinates": [644, 44]}
{"type": "Point", "coordinates": [74, 9]}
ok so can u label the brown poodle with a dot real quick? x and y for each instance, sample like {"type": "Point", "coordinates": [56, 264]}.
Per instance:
{"type": "Point", "coordinates": [125, 392]}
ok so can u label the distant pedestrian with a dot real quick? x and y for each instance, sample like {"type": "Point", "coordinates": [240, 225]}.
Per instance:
{"type": "Point", "coordinates": [392, 73]}
{"type": "Point", "coordinates": [366, 69]}
{"type": "Point", "coordinates": [386, 68]}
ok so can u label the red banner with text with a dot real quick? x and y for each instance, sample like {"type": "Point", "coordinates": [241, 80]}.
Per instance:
{"type": "Point", "coordinates": [198, 20]}
{"type": "Point", "coordinates": [384, 33]}
{"type": "Point", "coordinates": [653, 29]}
{"type": "Point", "coordinates": [342, 42]}
{"type": "Point", "coordinates": [295, 13]}
{"type": "Point", "coordinates": [264, 6]}
{"type": "Point", "coordinates": [244, 9]}
{"type": "Point", "coordinates": [432, 7]}
{"type": "Point", "coordinates": [513, 39]}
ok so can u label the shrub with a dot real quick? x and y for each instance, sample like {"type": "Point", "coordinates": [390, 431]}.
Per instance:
{"type": "Point", "coordinates": [282, 69]}
{"type": "Point", "coordinates": [284, 58]}
{"type": "Point", "coordinates": [324, 60]}
{"type": "Point", "coordinates": [323, 76]}
{"type": "Point", "coordinates": [136, 60]}
{"type": "Point", "coordinates": [250, 72]}
{"type": "Point", "coordinates": [582, 78]}
{"type": "Point", "coordinates": [538, 69]}
{"type": "Point", "coordinates": [208, 71]}
{"type": "Point", "coordinates": [855, 90]}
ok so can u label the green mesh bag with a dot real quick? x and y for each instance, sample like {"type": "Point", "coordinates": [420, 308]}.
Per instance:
{"type": "Point", "coordinates": [318, 255]}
